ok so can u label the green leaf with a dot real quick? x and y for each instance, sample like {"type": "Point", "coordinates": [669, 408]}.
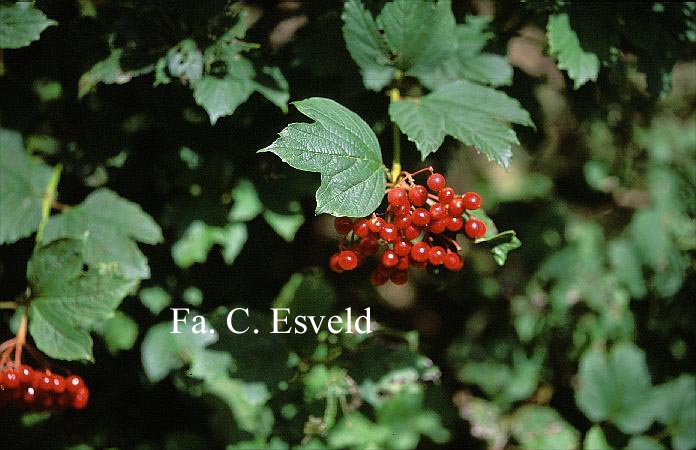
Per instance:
{"type": "Point", "coordinates": [108, 71]}
{"type": "Point", "coordinates": [644, 443]}
{"type": "Point", "coordinates": [120, 332]}
{"type": "Point", "coordinates": [111, 226]}
{"type": "Point", "coordinates": [273, 86]}
{"type": "Point", "coordinates": [676, 402]}
{"type": "Point", "coordinates": [21, 24]}
{"type": "Point", "coordinates": [366, 45]}
{"type": "Point", "coordinates": [474, 114]}
{"type": "Point", "coordinates": [199, 238]}
{"type": "Point", "coordinates": [595, 440]}
{"type": "Point", "coordinates": [581, 66]}
{"type": "Point", "coordinates": [163, 351]}
{"type": "Point", "coordinates": [418, 33]}
{"type": "Point", "coordinates": [155, 299]}
{"type": "Point", "coordinates": [22, 186]}
{"type": "Point", "coordinates": [501, 244]}
{"type": "Point", "coordinates": [467, 61]}
{"type": "Point", "coordinates": [616, 387]}
{"type": "Point", "coordinates": [221, 96]}
{"type": "Point", "coordinates": [66, 303]}
{"type": "Point", "coordinates": [286, 225]}
{"type": "Point", "coordinates": [247, 401]}
{"type": "Point", "coordinates": [247, 204]}
{"type": "Point", "coordinates": [541, 427]}
{"type": "Point", "coordinates": [343, 148]}
{"type": "Point", "coordinates": [485, 419]}
{"type": "Point", "coordinates": [193, 296]}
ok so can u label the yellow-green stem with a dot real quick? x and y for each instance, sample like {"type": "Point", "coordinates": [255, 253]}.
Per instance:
{"type": "Point", "coordinates": [395, 96]}
{"type": "Point", "coordinates": [48, 199]}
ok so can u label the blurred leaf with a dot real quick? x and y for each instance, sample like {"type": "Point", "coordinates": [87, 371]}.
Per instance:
{"type": "Point", "coordinates": [199, 238]}
{"type": "Point", "coordinates": [111, 226]}
{"type": "Point", "coordinates": [108, 71]}
{"type": "Point", "coordinates": [285, 225]}
{"type": "Point", "coordinates": [163, 351]}
{"type": "Point", "coordinates": [366, 45]}
{"type": "Point", "coordinates": [21, 24]}
{"type": "Point", "coordinates": [643, 443]}
{"type": "Point", "coordinates": [66, 303]}
{"type": "Point", "coordinates": [343, 148]}
{"type": "Point", "coordinates": [120, 332]}
{"type": "Point", "coordinates": [616, 387]}
{"type": "Point", "coordinates": [676, 408]}
{"type": "Point", "coordinates": [22, 186]}
{"type": "Point", "coordinates": [193, 296]}
{"type": "Point", "coordinates": [474, 114]}
{"type": "Point", "coordinates": [273, 86]}
{"type": "Point", "coordinates": [221, 96]}
{"type": "Point", "coordinates": [581, 66]}
{"type": "Point", "coordinates": [485, 419]}
{"type": "Point", "coordinates": [155, 299]}
{"type": "Point", "coordinates": [501, 244]}
{"type": "Point", "coordinates": [247, 401]}
{"type": "Point", "coordinates": [595, 440]}
{"type": "Point", "coordinates": [541, 427]}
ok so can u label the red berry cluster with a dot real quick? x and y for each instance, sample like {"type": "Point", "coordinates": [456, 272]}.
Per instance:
{"type": "Point", "coordinates": [41, 390]}
{"type": "Point", "coordinates": [420, 230]}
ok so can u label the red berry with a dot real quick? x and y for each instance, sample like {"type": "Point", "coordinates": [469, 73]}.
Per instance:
{"type": "Point", "coordinates": [389, 258]}
{"type": "Point", "coordinates": [436, 255]}
{"type": "Point", "coordinates": [80, 398]}
{"type": "Point", "coordinates": [58, 384]}
{"type": "Point", "coordinates": [446, 195]}
{"type": "Point", "coordinates": [419, 251]}
{"type": "Point", "coordinates": [369, 245]}
{"type": "Point", "coordinates": [399, 277]}
{"type": "Point", "coordinates": [73, 383]}
{"type": "Point", "coordinates": [438, 211]}
{"type": "Point", "coordinates": [26, 375]}
{"type": "Point", "coordinates": [411, 233]}
{"type": "Point", "coordinates": [436, 182]}
{"type": "Point", "coordinates": [401, 210]}
{"type": "Point", "coordinates": [348, 260]}
{"type": "Point", "coordinates": [475, 228]}
{"type": "Point", "coordinates": [376, 224]}
{"type": "Point", "coordinates": [397, 196]}
{"type": "Point", "coordinates": [29, 396]}
{"type": "Point", "coordinates": [343, 225]}
{"type": "Point", "coordinates": [402, 222]}
{"type": "Point", "coordinates": [333, 263]}
{"type": "Point", "coordinates": [472, 200]}
{"type": "Point", "coordinates": [418, 195]}
{"type": "Point", "coordinates": [378, 278]}
{"type": "Point", "coordinates": [455, 223]}
{"type": "Point", "coordinates": [456, 206]}
{"type": "Point", "coordinates": [389, 232]}
{"type": "Point", "coordinates": [9, 379]}
{"type": "Point", "coordinates": [437, 226]}
{"type": "Point", "coordinates": [42, 382]}
{"type": "Point", "coordinates": [453, 262]}
{"type": "Point", "coordinates": [361, 228]}
{"type": "Point", "coordinates": [402, 248]}
{"type": "Point", "coordinates": [420, 217]}
{"type": "Point", "coordinates": [403, 263]}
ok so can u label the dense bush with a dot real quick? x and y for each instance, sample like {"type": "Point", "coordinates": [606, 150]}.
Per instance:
{"type": "Point", "coordinates": [141, 170]}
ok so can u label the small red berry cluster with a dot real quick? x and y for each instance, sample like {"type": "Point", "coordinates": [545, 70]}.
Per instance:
{"type": "Point", "coordinates": [417, 222]}
{"type": "Point", "coordinates": [41, 390]}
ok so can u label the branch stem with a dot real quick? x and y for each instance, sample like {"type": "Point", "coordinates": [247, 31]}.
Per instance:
{"type": "Point", "coordinates": [395, 96]}
{"type": "Point", "coordinates": [8, 305]}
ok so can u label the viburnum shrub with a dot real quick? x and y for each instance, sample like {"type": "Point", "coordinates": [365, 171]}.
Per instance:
{"type": "Point", "coordinates": [418, 229]}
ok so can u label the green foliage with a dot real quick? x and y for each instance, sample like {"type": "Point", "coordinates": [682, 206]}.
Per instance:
{"type": "Point", "coordinates": [21, 24]}
{"type": "Point", "coordinates": [343, 148]}
{"type": "Point", "coordinates": [581, 66]}
{"type": "Point", "coordinates": [110, 226]}
{"type": "Point", "coordinates": [581, 338]}
{"type": "Point", "coordinates": [474, 114]}
{"type": "Point", "coordinates": [66, 303]}
{"type": "Point", "coordinates": [22, 186]}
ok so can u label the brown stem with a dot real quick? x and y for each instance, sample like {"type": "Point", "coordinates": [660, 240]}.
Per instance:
{"type": "Point", "coordinates": [21, 339]}
{"type": "Point", "coordinates": [8, 305]}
